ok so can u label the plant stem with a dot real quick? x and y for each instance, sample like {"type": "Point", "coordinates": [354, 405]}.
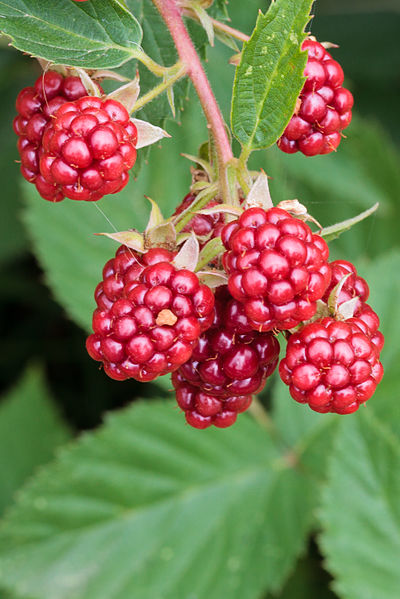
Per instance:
{"type": "Point", "coordinates": [172, 16]}
{"type": "Point", "coordinates": [161, 87]}
{"type": "Point", "coordinates": [242, 37]}
{"type": "Point", "coordinates": [153, 66]}
{"type": "Point", "coordinates": [260, 414]}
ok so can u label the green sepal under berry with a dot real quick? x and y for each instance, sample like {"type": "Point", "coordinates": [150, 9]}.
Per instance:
{"type": "Point", "coordinates": [270, 74]}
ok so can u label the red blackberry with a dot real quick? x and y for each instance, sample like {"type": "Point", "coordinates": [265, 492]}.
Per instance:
{"type": "Point", "coordinates": [230, 360]}
{"type": "Point", "coordinates": [87, 149]}
{"type": "Point", "coordinates": [149, 315]}
{"type": "Point", "coordinates": [277, 267]}
{"type": "Point", "coordinates": [201, 224]}
{"type": "Point", "coordinates": [324, 107]}
{"type": "Point", "coordinates": [35, 105]}
{"type": "Point", "coordinates": [332, 365]}
{"type": "Point", "coordinates": [203, 409]}
{"type": "Point", "coordinates": [355, 286]}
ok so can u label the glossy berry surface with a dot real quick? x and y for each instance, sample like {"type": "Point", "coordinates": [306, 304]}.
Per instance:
{"type": "Point", "coordinates": [353, 286]}
{"type": "Point", "coordinates": [277, 267]}
{"type": "Point", "coordinates": [35, 106]}
{"type": "Point", "coordinates": [203, 409]}
{"type": "Point", "coordinates": [203, 225]}
{"type": "Point", "coordinates": [230, 361]}
{"type": "Point", "coordinates": [149, 315]}
{"type": "Point", "coordinates": [324, 106]}
{"type": "Point", "coordinates": [333, 366]}
{"type": "Point", "coordinates": [87, 149]}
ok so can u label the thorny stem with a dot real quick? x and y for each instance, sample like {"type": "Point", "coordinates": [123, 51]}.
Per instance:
{"type": "Point", "coordinates": [161, 87]}
{"type": "Point", "coordinates": [172, 16]}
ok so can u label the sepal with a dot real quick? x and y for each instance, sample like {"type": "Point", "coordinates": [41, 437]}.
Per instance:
{"type": "Point", "coordinates": [147, 133]}
{"type": "Point", "coordinates": [259, 195]}
{"type": "Point", "coordinates": [131, 238]}
{"type": "Point", "coordinates": [188, 255]}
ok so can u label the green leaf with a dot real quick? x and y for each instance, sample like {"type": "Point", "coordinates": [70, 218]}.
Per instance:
{"type": "Point", "coordinates": [383, 277]}
{"type": "Point", "coordinates": [88, 34]}
{"type": "Point", "coordinates": [309, 435]}
{"type": "Point", "coordinates": [270, 77]}
{"type": "Point", "coordinates": [361, 511]}
{"type": "Point", "coordinates": [148, 507]}
{"type": "Point", "coordinates": [30, 431]}
{"type": "Point", "coordinates": [308, 580]}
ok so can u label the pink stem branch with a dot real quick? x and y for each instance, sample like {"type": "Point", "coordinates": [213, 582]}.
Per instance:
{"type": "Point", "coordinates": [172, 16]}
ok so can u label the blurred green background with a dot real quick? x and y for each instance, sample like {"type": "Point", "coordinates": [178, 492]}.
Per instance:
{"type": "Point", "coordinates": [35, 328]}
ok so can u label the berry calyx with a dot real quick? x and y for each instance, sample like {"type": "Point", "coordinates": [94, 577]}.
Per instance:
{"type": "Point", "coordinates": [331, 365]}
{"type": "Point", "coordinates": [149, 315]}
{"type": "Point", "coordinates": [277, 267]}
{"type": "Point", "coordinates": [88, 149]}
{"type": "Point", "coordinates": [231, 360]}
{"type": "Point", "coordinates": [324, 106]}
{"type": "Point", "coordinates": [36, 106]}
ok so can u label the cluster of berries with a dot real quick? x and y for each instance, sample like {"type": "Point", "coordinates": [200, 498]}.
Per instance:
{"type": "Point", "coordinates": [71, 144]}
{"type": "Point", "coordinates": [152, 319]}
{"type": "Point", "coordinates": [323, 108]}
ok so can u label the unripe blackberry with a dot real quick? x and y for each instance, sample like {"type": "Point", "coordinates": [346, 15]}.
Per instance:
{"type": "Point", "coordinates": [277, 267]}
{"type": "Point", "coordinates": [230, 360]}
{"type": "Point", "coordinates": [324, 106]}
{"type": "Point", "coordinates": [88, 149]}
{"type": "Point", "coordinates": [333, 366]}
{"type": "Point", "coordinates": [149, 315]}
{"type": "Point", "coordinates": [35, 106]}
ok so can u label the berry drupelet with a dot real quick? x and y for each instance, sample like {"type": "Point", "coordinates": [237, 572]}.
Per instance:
{"type": "Point", "coordinates": [324, 106]}
{"type": "Point", "coordinates": [204, 409]}
{"type": "Point", "coordinates": [35, 107]}
{"type": "Point", "coordinates": [230, 363]}
{"type": "Point", "coordinates": [277, 267]}
{"type": "Point", "coordinates": [202, 225]}
{"type": "Point", "coordinates": [149, 315]}
{"type": "Point", "coordinates": [355, 287]}
{"type": "Point", "coordinates": [87, 150]}
{"type": "Point", "coordinates": [331, 365]}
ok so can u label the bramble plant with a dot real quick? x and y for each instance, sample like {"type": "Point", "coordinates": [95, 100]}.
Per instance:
{"type": "Point", "coordinates": [237, 285]}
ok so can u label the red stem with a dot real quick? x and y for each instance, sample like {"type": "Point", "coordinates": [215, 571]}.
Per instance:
{"type": "Point", "coordinates": [172, 16]}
